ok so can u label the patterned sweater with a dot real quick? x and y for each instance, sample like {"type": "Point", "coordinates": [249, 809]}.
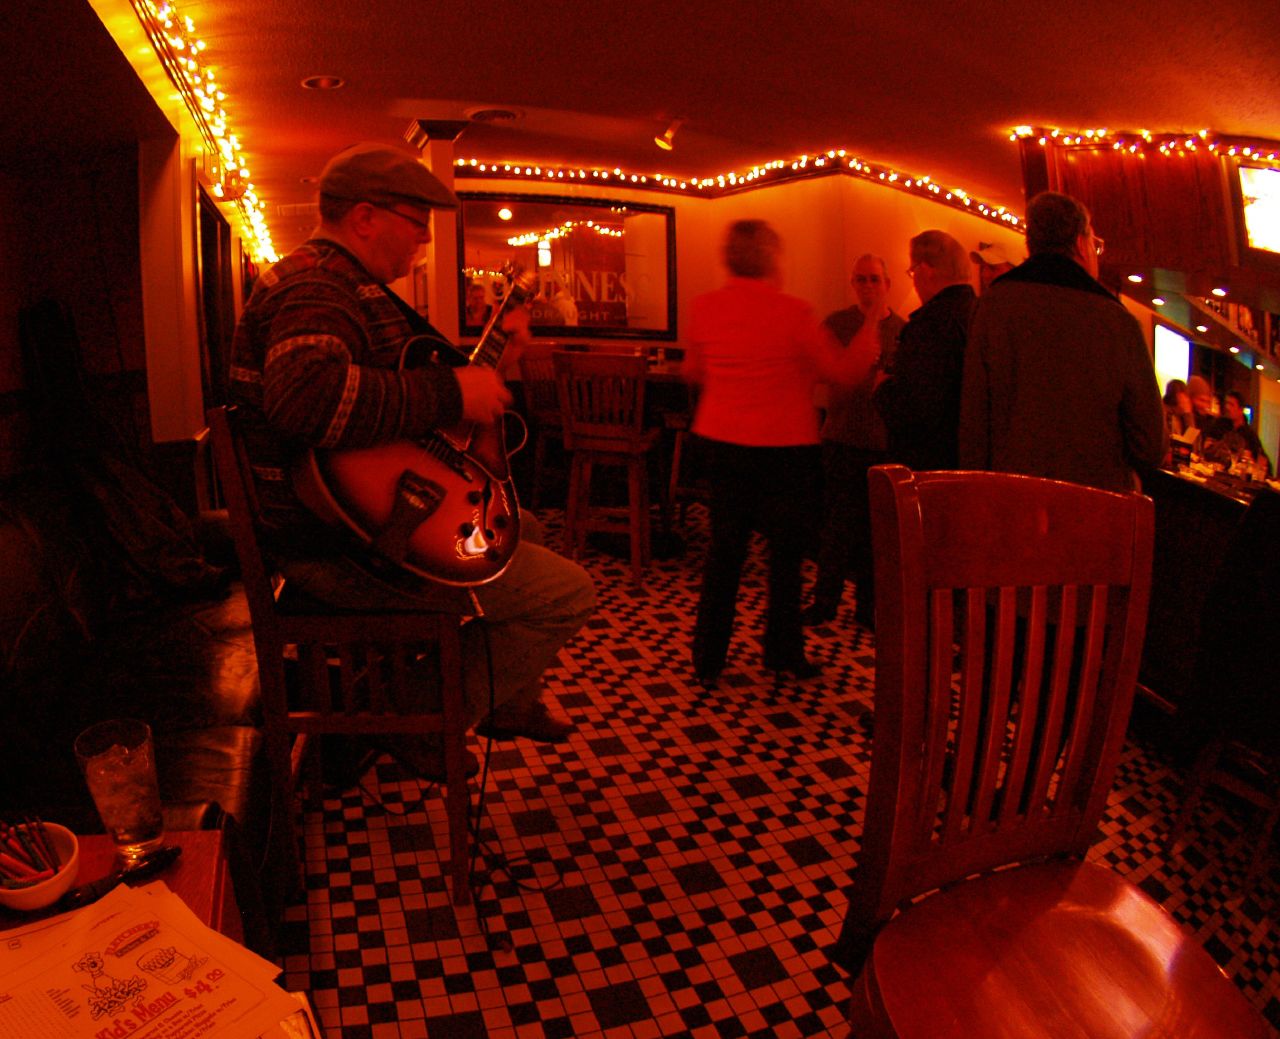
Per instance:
{"type": "Point", "coordinates": [314, 364]}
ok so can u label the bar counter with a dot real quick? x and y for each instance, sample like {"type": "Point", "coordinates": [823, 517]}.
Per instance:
{"type": "Point", "coordinates": [1196, 525]}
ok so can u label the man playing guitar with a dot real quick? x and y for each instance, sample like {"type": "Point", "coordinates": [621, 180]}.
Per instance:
{"type": "Point", "coordinates": [316, 367]}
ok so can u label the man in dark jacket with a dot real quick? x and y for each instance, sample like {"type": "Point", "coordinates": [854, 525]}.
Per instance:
{"type": "Point", "coordinates": [1057, 378]}
{"type": "Point", "coordinates": [919, 397]}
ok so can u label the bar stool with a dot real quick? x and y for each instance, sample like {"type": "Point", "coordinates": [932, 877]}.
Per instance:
{"type": "Point", "coordinates": [602, 410]}
{"type": "Point", "coordinates": [542, 403]}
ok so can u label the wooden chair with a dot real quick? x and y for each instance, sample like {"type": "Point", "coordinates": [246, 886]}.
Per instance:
{"type": "Point", "coordinates": [602, 407]}
{"type": "Point", "coordinates": [542, 404]}
{"type": "Point", "coordinates": [323, 671]}
{"type": "Point", "coordinates": [1011, 612]}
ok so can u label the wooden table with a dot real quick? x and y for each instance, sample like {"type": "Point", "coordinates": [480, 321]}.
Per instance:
{"type": "Point", "coordinates": [200, 878]}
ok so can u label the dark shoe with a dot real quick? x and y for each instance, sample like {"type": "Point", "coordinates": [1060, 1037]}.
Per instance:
{"type": "Point", "coordinates": [802, 669]}
{"type": "Point", "coordinates": [423, 758]}
{"type": "Point", "coordinates": [818, 613]}
{"type": "Point", "coordinates": [537, 722]}
{"type": "Point", "coordinates": [709, 678]}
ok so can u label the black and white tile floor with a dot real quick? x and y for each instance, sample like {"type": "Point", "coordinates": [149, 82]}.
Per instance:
{"type": "Point", "coordinates": [677, 868]}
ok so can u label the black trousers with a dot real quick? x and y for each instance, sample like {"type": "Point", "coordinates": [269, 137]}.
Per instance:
{"type": "Point", "coordinates": [845, 549]}
{"type": "Point", "coordinates": [772, 490]}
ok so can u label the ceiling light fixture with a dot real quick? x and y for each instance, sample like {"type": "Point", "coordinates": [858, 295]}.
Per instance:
{"type": "Point", "coordinates": [664, 142]}
{"type": "Point", "coordinates": [324, 83]}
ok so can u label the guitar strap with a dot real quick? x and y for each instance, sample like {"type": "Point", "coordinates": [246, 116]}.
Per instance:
{"type": "Point", "coordinates": [424, 329]}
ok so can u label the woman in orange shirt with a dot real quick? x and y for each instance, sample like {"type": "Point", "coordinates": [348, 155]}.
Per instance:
{"type": "Point", "coordinates": [756, 353]}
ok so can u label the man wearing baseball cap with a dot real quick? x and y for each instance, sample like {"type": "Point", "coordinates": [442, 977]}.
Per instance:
{"type": "Point", "coordinates": [992, 260]}
{"type": "Point", "coordinates": [315, 364]}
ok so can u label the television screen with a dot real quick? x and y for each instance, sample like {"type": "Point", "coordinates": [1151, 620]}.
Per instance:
{"type": "Point", "coordinates": [1260, 194]}
{"type": "Point", "coordinates": [1172, 356]}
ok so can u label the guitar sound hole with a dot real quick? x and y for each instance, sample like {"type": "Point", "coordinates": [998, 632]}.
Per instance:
{"type": "Point", "coordinates": [474, 497]}
{"type": "Point", "coordinates": [466, 529]}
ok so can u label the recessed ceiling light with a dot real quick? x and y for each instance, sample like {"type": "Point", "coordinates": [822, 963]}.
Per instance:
{"type": "Point", "coordinates": [1234, 349]}
{"type": "Point", "coordinates": [1136, 278]}
{"type": "Point", "coordinates": [1219, 292]}
{"type": "Point", "coordinates": [1158, 301]}
{"type": "Point", "coordinates": [323, 82]}
{"type": "Point", "coordinates": [505, 214]}
{"type": "Point", "coordinates": [491, 115]}
{"type": "Point", "coordinates": [1202, 328]}
{"type": "Point", "coordinates": [1261, 367]}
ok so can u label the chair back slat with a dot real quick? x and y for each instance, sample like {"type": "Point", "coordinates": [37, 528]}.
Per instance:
{"type": "Point", "coordinates": [538, 378]}
{"type": "Point", "coordinates": [1010, 614]}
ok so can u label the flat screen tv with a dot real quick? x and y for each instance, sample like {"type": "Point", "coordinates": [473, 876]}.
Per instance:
{"type": "Point", "coordinates": [1260, 208]}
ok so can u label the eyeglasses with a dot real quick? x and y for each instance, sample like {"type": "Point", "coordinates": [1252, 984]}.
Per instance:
{"type": "Point", "coordinates": [915, 267]}
{"type": "Point", "coordinates": [421, 225]}
{"type": "Point", "coordinates": [866, 279]}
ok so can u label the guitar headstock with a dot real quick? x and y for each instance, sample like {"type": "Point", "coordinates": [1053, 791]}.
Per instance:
{"type": "Point", "coordinates": [522, 285]}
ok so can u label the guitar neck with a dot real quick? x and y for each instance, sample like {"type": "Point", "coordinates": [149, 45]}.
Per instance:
{"type": "Point", "coordinates": [493, 340]}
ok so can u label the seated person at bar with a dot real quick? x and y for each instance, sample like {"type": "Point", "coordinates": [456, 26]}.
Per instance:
{"type": "Point", "coordinates": [315, 364]}
{"type": "Point", "coordinates": [1177, 407]}
{"type": "Point", "coordinates": [1234, 431]}
{"type": "Point", "coordinates": [756, 353]}
{"type": "Point", "coordinates": [1202, 404]}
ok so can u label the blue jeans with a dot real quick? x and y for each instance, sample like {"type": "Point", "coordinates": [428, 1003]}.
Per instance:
{"type": "Point", "coordinates": [530, 611]}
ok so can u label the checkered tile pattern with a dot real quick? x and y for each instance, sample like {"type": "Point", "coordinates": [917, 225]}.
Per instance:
{"type": "Point", "coordinates": [677, 868]}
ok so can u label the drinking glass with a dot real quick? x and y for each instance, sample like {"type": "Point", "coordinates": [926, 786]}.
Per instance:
{"type": "Point", "coordinates": [118, 760]}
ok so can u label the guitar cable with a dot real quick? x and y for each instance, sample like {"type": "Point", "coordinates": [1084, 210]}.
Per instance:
{"type": "Point", "coordinates": [497, 862]}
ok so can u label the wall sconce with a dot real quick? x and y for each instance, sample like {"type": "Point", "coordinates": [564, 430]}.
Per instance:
{"type": "Point", "coordinates": [664, 142]}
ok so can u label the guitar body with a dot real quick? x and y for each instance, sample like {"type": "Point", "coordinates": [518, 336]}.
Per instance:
{"type": "Point", "coordinates": [455, 523]}
{"type": "Point", "coordinates": [443, 507]}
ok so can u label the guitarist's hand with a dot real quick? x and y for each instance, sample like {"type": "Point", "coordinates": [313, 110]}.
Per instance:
{"type": "Point", "coordinates": [484, 395]}
{"type": "Point", "coordinates": [516, 323]}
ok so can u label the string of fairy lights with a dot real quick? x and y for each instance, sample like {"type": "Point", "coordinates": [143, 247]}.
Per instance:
{"type": "Point", "coordinates": [180, 51]}
{"type": "Point", "coordinates": [836, 160]}
{"type": "Point", "coordinates": [1144, 142]}
{"type": "Point", "coordinates": [563, 231]}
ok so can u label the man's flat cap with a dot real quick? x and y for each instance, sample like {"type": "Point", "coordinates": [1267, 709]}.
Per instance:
{"type": "Point", "coordinates": [384, 175]}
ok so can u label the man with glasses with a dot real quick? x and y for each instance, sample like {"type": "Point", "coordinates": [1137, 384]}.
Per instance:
{"type": "Point", "coordinates": [316, 363]}
{"type": "Point", "coordinates": [919, 396]}
{"type": "Point", "coordinates": [853, 440]}
{"type": "Point", "coordinates": [1057, 378]}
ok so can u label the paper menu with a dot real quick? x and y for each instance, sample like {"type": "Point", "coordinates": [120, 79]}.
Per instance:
{"type": "Point", "coordinates": [138, 964]}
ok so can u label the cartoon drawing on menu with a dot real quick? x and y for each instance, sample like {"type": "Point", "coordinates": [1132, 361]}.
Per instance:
{"type": "Point", "coordinates": [106, 994]}
{"type": "Point", "coordinates": [169, 965]}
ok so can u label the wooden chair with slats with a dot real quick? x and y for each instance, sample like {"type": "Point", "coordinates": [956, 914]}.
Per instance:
{"type": "Point", "coordinates": [324, 671]}
{"type": "Point", "coordinates": [1011, 612]}
{"type": "Point", "coordinates": [602, 407]}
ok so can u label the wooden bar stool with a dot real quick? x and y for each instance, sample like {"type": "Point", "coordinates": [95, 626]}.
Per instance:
{"type": "Point", "coordinates": [323, 671]}
{"type": "Point", "coordinates": [602, 409]}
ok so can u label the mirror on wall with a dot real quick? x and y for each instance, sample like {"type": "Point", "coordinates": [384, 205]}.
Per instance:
{"type": "Point", "coordinates": [605, 268]}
